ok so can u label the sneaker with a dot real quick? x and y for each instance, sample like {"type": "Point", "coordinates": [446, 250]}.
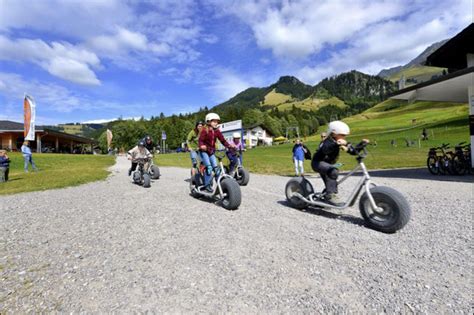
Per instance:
{"type": "Point", "coordinates": [209, 188]}
{"type": "Point", "coordinates": [333, 199]}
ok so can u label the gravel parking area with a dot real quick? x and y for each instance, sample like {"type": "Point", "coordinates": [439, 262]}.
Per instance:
{"type": "Point", "coordinates": [114, 246]}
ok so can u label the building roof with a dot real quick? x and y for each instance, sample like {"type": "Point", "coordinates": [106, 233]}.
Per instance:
{"type": "Point", "coordinates": [449, 88]}
{"type": "Point", "coordinates": [12, 126]}
{"type": "Point", "coordinates": [452, 54]}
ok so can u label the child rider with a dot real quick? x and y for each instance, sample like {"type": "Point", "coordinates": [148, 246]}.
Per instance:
{"type": "Point", "coordinates": [232, 153]}
{"type": "Point", "coordinates": [328, 154]}
{"type": "Point", "coordinates": [207, 146]}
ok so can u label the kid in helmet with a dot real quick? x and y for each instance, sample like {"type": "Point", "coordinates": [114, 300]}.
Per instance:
{"type": "Point", "coordinates": [328, 153]}
{"type": "Point", "coordinates": [232, 153]}
{"type": "Point", "coordinates": [207, 146]}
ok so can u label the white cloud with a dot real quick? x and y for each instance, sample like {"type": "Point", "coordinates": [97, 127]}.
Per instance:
{"type": "Point", "coordinates": [62, 60]}
{"type": "Point", "coordinates": [226, 83]}
{"type": "Point", "coordinates": [73, 18]}
{"type": "Point", "coordinates": [298, 29]}
{"type": "Point", "coordinates": [392, 42]}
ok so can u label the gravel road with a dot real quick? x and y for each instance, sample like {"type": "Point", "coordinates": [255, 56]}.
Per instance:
{"type": "Point", "coordinates": [114, 246]}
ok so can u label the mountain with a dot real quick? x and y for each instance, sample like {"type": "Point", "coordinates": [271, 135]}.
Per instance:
{"type": "Point", "coordinates": [341, 91]}
{"type": "Point", "coordinates": [356, 87]}
{"type": "Point", "coordinates": [418, 61]}
{"type": "Point", "coordinates": [253, 97]}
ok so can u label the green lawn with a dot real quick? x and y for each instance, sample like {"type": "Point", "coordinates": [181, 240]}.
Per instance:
{"type": "Point", "coordinates": [55, 171]}
{"type": "Point", "coordinates": [390, 120]}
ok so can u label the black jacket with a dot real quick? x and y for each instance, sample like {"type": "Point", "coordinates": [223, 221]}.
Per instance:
{"type": "Point", "coordinates": [149, 146]}
{"type": "Point", "coordinates": [329, 151]}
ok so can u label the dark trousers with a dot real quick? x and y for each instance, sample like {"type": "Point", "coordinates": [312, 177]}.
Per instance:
{"type": "Point", "coordinates": [134, 166]}
{"type": "Point", "coordinates": [4, 173]}
{"type": "Point", "coordinates": [324, 169]}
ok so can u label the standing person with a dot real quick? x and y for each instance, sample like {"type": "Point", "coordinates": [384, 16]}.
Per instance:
{"type": "Point", "coordinates": [324, 135]}
{"type": "Point", "coordinates": [424, 134]}
{"type": "Point", "coordinates": [299, 152]}
{"type": "Point", "coordinates": [232, 153]}
{"type": "Point", "coordinates": [193, 145]}
{"type": "Point", "coordinates": [4, 166]}
{"type": "Point", "coordinates": [28, 156]}
{"type": "Point", "coordinates": [207, 145]}
{"type": "Point", "coordinates": [148, 141]}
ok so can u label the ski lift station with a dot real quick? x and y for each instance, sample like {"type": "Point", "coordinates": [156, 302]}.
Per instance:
{"type": "Point", "coordinates": [457, 55]}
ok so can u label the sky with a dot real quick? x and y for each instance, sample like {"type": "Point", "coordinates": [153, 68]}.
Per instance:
{"type": "Point", "coordinates": [97, 60]}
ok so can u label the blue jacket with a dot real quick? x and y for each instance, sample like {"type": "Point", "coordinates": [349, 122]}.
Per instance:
{"type": "Point", "coordinates": [25, 150]}
{"type": "Point", "coordinates": [4, 161]}
{"type": "Point", "coordinates": [298, 152]}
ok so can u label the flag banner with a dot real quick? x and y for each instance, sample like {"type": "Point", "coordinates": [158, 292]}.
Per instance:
{"type": "Point", "coordinates": [29, 107]}
{"type": "Point", "coordinates": [109, 138]}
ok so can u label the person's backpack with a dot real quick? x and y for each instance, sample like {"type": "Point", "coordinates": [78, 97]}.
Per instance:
{"type": "Point", "coordinates": [307, 155]}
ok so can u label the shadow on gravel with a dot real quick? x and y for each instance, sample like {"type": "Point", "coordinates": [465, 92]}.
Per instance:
{"type": "Point", "coordinates": [419, 173]}
{"type": "Point", "coordinates": [212, 201]}
{"type": "Point", "coordinates": [327, 214]}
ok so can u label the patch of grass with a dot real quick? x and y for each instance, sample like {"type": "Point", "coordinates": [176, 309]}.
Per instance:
{"type": "Point", "coordinates": [55, 171]}
{"type": "Point", "coordinates": [420, 73]}
{"type": "Point", "coordinates": [311, 103]}
{"type": "Point", "coordinates": [275, 98]}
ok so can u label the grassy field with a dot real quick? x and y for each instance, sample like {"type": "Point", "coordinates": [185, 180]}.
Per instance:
{"type": "Point", "coordinates": [420, 73]}
{"type": "Point", "coordinates": [391, 120]}
{"type": "Point", "coordinates": [55, 171]}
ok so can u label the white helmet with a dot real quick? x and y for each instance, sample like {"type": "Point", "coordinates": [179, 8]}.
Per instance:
{"type": "Point", "coordinates": [212, 116]}
{"type": "Point", "coordinates": [236, 135]}
{"type": "Point", "coordinates": [339, 128]}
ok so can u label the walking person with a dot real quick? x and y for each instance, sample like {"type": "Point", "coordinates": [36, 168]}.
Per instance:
{"type": "Point", "coordinates": [4, 166]}
{"type": "Point", "coordinates": [299, 152]}
{"type": "Point", "coordinates": [28, 156]}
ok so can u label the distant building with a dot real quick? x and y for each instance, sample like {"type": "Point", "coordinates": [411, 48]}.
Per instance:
{"type": "Point", "coordinates": [257, 135]}
{"type": "Point", "coordinates": [46, 139]}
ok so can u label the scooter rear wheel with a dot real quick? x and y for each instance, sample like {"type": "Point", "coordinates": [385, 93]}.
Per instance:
{"type": "Point", "coordinates": [242, 176]}
{"type": "Point", "coordinates": [394, 211]}
{"type": "Point", "coordinates": [298, 185]}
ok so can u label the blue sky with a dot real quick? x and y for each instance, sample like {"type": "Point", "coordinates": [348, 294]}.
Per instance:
{"type": "Point", "coordinates": [94, 60]}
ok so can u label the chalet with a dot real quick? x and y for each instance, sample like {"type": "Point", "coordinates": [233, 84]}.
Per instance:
{"type": "Point", "coordinates": [257, 135]}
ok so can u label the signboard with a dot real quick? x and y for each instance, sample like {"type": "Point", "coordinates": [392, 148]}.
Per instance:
{"type": "Point", "coordinates": [163, 135]}
{"type": "Point", "coordinates": [29, 108]}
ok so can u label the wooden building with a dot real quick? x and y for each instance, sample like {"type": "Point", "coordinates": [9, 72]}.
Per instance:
{"type": "Point", "coordinates": [46, 139]}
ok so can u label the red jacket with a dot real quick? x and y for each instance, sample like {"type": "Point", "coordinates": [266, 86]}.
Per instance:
{"type": "Point", "coordinates": [208, 136]}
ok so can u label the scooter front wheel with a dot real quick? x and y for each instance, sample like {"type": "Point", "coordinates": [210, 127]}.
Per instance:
{"type": "Point", "coordinates": [301, 186]}
{"type": "Point", "coordinates": [146, 180]}
{"type": "Point", "coordinates": [232, 195]}
{"type": "Point", "coordinates": [393, 211]}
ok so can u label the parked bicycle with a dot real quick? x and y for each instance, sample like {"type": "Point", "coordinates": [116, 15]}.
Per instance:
{"type": "Point", "coordinates": [443, 161]}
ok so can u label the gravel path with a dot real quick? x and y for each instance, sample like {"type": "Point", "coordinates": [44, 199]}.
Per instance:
{"type": "Point", "coordinates": [114, 246]}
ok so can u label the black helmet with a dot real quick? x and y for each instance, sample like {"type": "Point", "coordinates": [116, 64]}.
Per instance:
{"type": "Point", "coordinates": [199, 123]}
{"type": "Point", "coordinates": [141, 144]}
{"type": "Point", "coordinates": [147, 138]}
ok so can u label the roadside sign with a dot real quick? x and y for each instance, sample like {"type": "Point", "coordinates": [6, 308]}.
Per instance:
{"type": "Point", "coordinates": [163, 135]}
